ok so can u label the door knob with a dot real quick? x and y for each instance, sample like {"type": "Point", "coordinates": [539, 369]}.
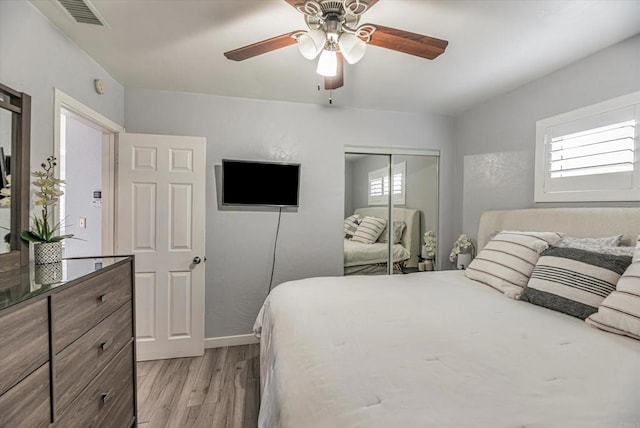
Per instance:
{"type": "Point", "coordinates": [196, 260]}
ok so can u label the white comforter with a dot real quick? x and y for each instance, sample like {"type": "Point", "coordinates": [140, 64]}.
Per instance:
{"type": "Point", "coordinates": [358, 253]}
{"type": "Point", "coordinates": [436, 350]}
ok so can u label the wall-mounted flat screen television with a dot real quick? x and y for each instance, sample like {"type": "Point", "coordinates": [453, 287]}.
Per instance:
{"type": "Point", "coordinates": [260, 183]}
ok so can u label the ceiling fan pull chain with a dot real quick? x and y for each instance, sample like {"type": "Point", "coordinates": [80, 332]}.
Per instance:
{"type": "Point", "coordinates": [330, 97]}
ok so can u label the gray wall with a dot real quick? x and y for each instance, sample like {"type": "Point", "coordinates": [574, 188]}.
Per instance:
{"type": "Point", "coordinates": [35, 57]}
{"type": "Point", "coordinates": [359, 171]}
{"type": "Point", "coordinates": [83, 166]}
{"type": "Point", "coordinates": [494, 141]}
{"type": "Point", "coordinates": [349, 205]}
{"type": "Point", "coordinates": [240, 243]}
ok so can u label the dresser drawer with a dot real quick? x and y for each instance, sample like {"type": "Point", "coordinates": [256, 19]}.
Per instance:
{"type": "Point", "coordinates": [94, 406]}
{"type": "Point", "coordinates": [24, 342]}
{"type": "Point", "coordinates": [121, 414]}
{"type": "Point", "coordinates": [79, 363]}
{"type": "Point", "coordinates": [77, 309]}
{"type": "Point", "coordinates": [27, 403]}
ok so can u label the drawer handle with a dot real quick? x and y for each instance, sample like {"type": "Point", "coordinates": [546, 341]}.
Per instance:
{"type": "Point", "coordinates": [105, 397]}
{"type": "Point", "coordinates": [102, 298]}
{"type": "Point", "coordinates": [104, 346]}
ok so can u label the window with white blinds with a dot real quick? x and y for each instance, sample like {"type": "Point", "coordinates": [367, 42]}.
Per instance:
{"type": "Point", "coordinates": [590, 154]}
{"type": "Point", "coordinates": [379, 185]}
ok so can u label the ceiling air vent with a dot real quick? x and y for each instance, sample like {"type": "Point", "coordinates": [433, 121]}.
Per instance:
{"type": "Point", "coordinates": [82, 11]}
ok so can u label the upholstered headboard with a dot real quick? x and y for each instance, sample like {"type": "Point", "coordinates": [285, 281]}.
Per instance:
{"type": "Point", "coordinates": [582, 222]}
{"type": "Point", "coordinates": [411, 238]}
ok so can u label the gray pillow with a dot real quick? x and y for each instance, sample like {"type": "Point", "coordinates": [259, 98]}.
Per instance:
{"type": "Point", "coordinates": [398, 230]}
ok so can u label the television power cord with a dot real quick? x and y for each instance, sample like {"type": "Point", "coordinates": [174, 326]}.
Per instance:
{"type": "Point", "coordinates": [275, 243]}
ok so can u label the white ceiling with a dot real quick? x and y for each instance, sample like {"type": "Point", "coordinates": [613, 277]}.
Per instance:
{"type": "Point", "coordinates": [494, 46]}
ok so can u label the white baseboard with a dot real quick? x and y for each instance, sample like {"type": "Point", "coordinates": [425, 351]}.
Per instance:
{"type": "Point", "coordinates": [220, 342]}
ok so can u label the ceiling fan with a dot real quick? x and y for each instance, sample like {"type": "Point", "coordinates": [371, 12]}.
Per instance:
{"type": "Point", "coordinates": [335, 34]}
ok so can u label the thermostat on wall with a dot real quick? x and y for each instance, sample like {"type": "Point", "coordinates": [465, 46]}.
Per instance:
{"type": "Point", "coordinates": [97, 199]}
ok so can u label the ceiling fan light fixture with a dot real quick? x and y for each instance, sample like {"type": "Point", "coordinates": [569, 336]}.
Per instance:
{"type": "Point", "coordinates": [310, 44]}
{"type": "Point", "coordinates": [334, 34]}
{"type": "Point", "coordinates": [352, 48]}
{"type": "Point", "coordinates": [328, 63]}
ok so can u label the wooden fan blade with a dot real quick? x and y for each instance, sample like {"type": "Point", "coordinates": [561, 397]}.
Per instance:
{"type": "Point", "coordinates": [371, 3]}
{"type": "Point", "coordinates": [406, 42]}
{"type": "Point", "coordinates": [338, 80]}
{"type": "Point", "coordinates": [262, 47]}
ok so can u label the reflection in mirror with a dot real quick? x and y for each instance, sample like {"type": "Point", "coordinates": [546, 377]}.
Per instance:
{"type": "Point", "coordinates": [420, 186]}
{"type": "Point", "coordinates": [6, 138]}
{"type": "Point", "coordinates": [366, 247]}
{"type": "Point", "coordinates": [411, 186]}
{"type": "Point", "coordinates": [15, 136]}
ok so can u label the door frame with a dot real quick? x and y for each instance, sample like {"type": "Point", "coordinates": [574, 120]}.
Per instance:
{"type": "Point", "coordinates": [110, 130]}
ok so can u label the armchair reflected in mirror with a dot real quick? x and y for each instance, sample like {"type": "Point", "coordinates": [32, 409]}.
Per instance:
{"type": "Point", "coordinates": [15, 125]}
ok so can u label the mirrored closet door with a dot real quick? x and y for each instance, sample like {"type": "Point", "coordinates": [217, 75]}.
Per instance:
{"type": "Point", "coordinates": [401, 185]}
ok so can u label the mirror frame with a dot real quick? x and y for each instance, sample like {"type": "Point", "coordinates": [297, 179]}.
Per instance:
{"type": "Point", "coordinates": [20, 104]}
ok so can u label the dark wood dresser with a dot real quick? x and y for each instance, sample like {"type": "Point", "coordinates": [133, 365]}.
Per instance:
{"type": "Point", "coordinates": [67, 347]}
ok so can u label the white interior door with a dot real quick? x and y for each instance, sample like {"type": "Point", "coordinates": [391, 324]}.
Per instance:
{"type": "Point", "coordinates": [161, 220]}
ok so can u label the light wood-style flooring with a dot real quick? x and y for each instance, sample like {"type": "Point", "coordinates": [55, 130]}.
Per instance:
{"type": "Point", "coordinates": [218, 390]}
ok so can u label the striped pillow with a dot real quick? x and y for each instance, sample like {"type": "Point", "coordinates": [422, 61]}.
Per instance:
{"type": "Point", "coordinates": [369, 230]}
{"type": "Point", "coordinates": [351, 225]}
{"type": "Point", "coordinates": [620, 312]}
{"type": "Point", "coordinates": [574, 281]}
{"type": "Point", "coordinates": [506, 262]}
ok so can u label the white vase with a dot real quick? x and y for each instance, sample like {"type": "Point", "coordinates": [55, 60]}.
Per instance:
{"type": "Point", "coordinates": [47, 252]}
{"type": "Point", "coordinates": [463, 260]}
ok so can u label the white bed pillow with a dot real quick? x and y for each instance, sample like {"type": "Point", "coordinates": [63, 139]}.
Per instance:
{"type": "Point", "coordinates": [369, 230]}
{"type": "Point", "coordinates": [619, 313]}
{"type": "Point", "coordinates": [591, 244]}
{"type": "Point", "coordinates": [574, 281]}
{"type": "Point", "coordinates": [508, 259]}
{"type": "Point", "coordinates": [351, 225]}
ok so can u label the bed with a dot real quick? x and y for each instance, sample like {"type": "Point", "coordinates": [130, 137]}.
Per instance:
{"type": "Point", "coordinates": [361, 258]}
{"type": "Point", "coordinates": [437, 349]}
